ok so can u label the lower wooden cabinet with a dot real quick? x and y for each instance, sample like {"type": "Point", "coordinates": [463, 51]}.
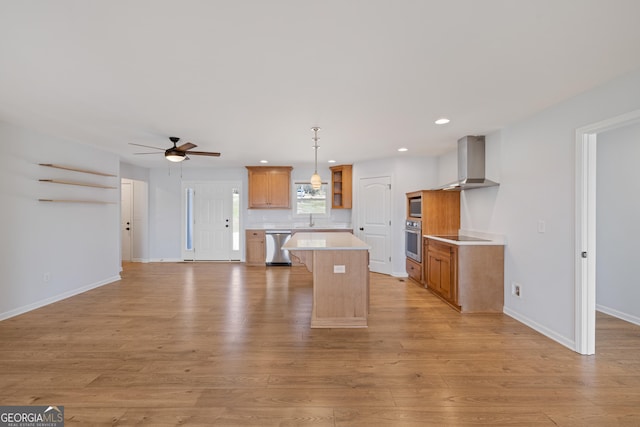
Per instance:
{"type": "Point", "coordinates": [414, 270]}
{"type": "Point", "coordinates": [256, 253]}
{"type": "Point", "coordinates": [468, 277]}
{"type": "Point", "coordinates": [441, 270]}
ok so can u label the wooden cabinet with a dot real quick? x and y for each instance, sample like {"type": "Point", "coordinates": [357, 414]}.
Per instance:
{"type": "Point", "coordinates": [255, 247]}
{"type": "Point", "coordinates": [469, 277]}
{"type": "Point", "coordinates": [414, 270]}
{"type": "Point", "coordinates": [439, 215]}
{"type": "Point", "coordinates": [341, 187]}
{"type": "Point", "coordinates": [440, 211]}
{"type": "Point", "coordinates": [269, 187]}
{"type": "Point", "coordinates": [441, 269]}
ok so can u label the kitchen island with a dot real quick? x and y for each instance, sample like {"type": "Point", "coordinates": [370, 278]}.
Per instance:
{"type": "Point", "coordinates": [340, 265]}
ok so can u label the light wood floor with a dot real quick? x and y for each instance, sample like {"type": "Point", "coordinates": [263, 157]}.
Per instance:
{"type": "Point", "coordinates": [224, 344]}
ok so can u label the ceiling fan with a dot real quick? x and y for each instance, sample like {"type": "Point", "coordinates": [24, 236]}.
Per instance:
{"type": "Point", "coordinates": [178, 153]}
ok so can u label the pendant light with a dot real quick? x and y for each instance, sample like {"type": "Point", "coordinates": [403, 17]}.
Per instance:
{"type": "Point", "coordinates": [316, 181]}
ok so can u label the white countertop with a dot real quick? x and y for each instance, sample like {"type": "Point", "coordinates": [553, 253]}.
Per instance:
{"type": "Point", "coordinates": [314, 241]}
{"type": "Point", "coordinates": [298, 227]}
{"type": "Point", "coordinates": [485, 242]}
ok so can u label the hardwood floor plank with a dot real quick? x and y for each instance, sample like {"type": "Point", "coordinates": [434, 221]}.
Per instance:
{"type": "Point", "coordinates": [250, 416]}
{"type": "Point", "coordinates": [419, 417]}
{"type": "Point", "coordinates": [295, 397]}
{"type": "Point", "coordinates": [225, 344]}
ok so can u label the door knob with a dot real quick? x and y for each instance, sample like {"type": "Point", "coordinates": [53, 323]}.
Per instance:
{"type": "Point", "coordinates": [361, 228]}
{"type": "Point", "coordinates": [127, 228]}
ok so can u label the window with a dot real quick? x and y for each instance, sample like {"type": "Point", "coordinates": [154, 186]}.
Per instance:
{"type": "Point", "coordinates": [310, 201]}
{"type": "Point", "coordinates": [188, 219]}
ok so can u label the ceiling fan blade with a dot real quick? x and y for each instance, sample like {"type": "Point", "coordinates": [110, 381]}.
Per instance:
{"type": "Point", "coordinates": [204, 153]}
{"type": "Point", "coordinates": [147, 146]}
{"type": "Point", "coordinates": [186, 146]}
{"type": "Point", "coordinates": [147, 153]}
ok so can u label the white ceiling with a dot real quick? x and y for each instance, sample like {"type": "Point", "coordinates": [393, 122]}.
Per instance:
{"type": "Point", "coordinates": [249, 78]}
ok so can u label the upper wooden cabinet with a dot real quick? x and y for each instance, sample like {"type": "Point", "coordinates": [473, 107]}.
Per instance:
{"type": "Point", "coordinates": [341, 187]}
{"type": "Point", "coordinates": [440, 214]}
{"type": "Point", "coordinates": [269, 187]}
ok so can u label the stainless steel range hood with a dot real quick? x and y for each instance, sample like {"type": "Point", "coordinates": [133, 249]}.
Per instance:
{"type": "Point", "coordinates": [470, 165]}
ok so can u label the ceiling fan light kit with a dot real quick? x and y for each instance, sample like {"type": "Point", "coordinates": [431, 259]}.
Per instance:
{"type": "Point", "coordinates": [178, 154]}
{"type": "Point", "coordinates": [174, 155]}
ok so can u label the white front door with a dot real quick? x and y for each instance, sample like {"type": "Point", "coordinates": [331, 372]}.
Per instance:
{"type": "Point", "coordinates": [126, 196]}
{"type": "Point", "coordinates": [211, 219]}
{"type": "Point", "coordinates": [374, 221]}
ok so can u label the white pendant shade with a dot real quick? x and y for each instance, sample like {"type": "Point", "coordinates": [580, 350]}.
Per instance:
{"type": "Point", "coordinates": [175, 157]}
{"type": "Point", "coordinates": [316, 181]}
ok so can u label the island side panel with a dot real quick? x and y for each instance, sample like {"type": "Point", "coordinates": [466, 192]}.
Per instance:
{"type": "Point", "coordinates": [340, 298]}
{"type": "Point", "coordinates": [481, 278]}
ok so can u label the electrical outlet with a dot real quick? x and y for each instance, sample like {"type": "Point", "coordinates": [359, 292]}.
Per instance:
{"type": "Point", "coordinates": [542, 227]}
{"type": "Point", "coordinates": [516, 289]}
{"type": "Point", "coordinates": [46, 277]}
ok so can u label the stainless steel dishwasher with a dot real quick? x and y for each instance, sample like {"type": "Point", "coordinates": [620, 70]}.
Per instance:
{"type": "Point", "coordinates": [275, 254]}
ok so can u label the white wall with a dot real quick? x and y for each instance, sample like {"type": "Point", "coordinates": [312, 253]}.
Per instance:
{"type": "Point", "coordinates": [257, 217]}
{"type": "Point", "coordinates": [165, 205]}
{"type": "Point", "coordinates": [408, 174]}
{"type": "Point", "coordinates": [534, 161]}
{"type": "Point", "coordinates": [75, 244]}
{"type": "Point", "coordinates": [617, 222]}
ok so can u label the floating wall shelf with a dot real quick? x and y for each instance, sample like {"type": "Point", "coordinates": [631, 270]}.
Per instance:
{"type": "Point", "coordinates": [76, 201]}
{"type": "Point", "coordinates": [69, 168]}
{"type": "Point", "coordinates": [78, 183]}
{"type": "Point", "coordinates": [83, 184]}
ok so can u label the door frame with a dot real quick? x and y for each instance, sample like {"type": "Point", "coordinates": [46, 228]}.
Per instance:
{"type": "Point", "coordinates": [129, 183]}
{"type": "Point", "coordinates": [585, 229]}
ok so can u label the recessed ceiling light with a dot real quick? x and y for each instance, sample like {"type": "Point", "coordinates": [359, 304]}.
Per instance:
{"type": "Point", "coordinates": [442, 121]}
{"type": "Point", "coordinates": [264, 161]}
{"type": "Point", "coordinates": [403, 149]}
{"type": "Point", "coordinates": [331, 161]}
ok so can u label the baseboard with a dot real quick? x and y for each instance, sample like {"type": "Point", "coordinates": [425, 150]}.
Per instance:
{"type": "Point", "coordinates": [618, 314]}
{"type": "Point", "coordinates": [166, 260]}
{"type": "Point", "coordinates": [402, 275]}
{"type": "Point", "coordinates": [570, 344]}
{"type": "Point", "coordinates": [38, 304]}
{"type": "Point", "coordinates": [142, 260]}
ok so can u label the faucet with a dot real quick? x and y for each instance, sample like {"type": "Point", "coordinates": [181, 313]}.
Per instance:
{"type": "Point", "coordinates": [311, 224]}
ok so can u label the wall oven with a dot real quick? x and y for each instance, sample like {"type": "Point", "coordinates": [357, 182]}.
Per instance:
{"type": "Point", "coordinates": [413, 240]}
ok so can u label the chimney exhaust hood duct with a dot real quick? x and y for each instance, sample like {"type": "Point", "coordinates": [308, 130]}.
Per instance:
{"type": "Point", "coordinates": [471, 163]}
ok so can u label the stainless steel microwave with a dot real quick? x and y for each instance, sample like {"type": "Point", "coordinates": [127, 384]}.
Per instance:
{"type": "Point", "coordinates": [415, 207]}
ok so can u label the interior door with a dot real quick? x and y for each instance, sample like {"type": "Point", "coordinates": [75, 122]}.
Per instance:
{"type": "Point", "coordinates": [126, 203]}
{"type": "Point", "coordinates": [374, 217]}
